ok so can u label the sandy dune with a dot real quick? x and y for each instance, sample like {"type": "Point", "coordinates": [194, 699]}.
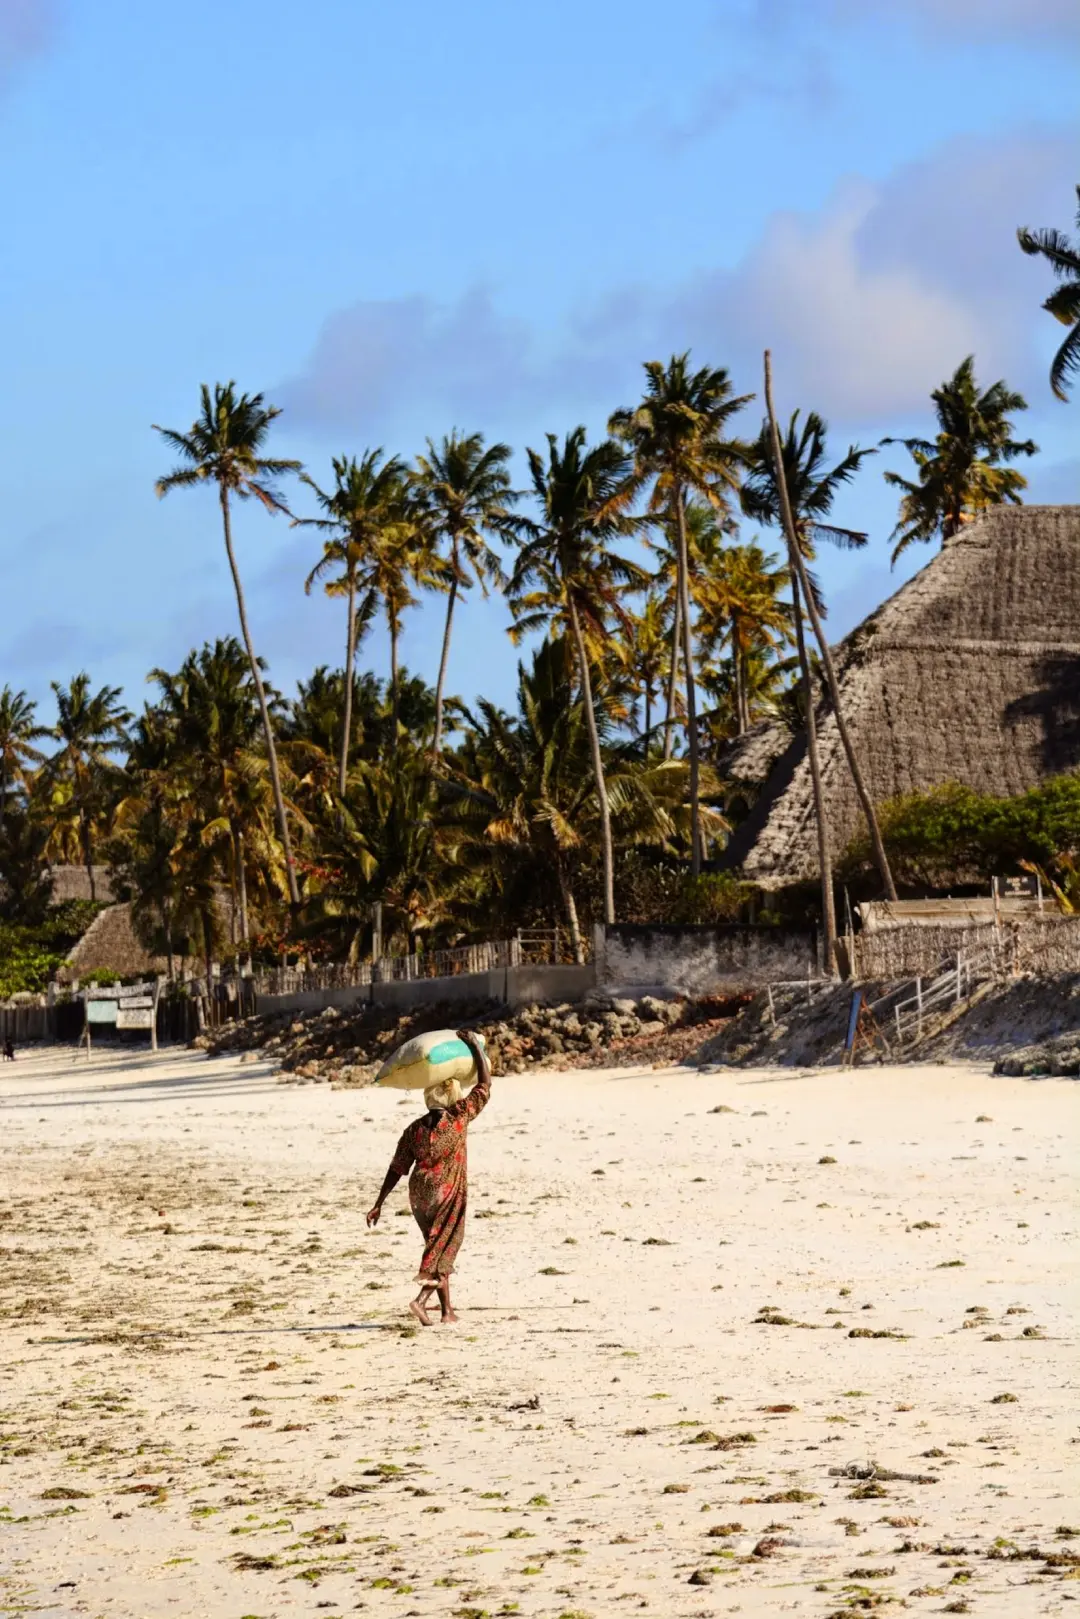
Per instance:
{"type": "Point", "coordinates": [212, 1404]}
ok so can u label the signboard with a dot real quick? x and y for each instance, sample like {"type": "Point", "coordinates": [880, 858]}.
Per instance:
{"type": "Point", "coordinates": [133, 1003]}
{"type": "Point", "coordinates": [101, 1012]}
{"type": "Point", "coordinates": [1019, 887]}
{"type": "Point", "coordinates": [137, 1017]}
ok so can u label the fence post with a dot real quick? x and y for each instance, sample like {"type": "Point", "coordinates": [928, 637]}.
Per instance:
{"type": "Point", "coordinates": [959, 975]}
{"type": "Point", "coordinates": [899, 1030]}
{"type": "Point", "coordinates": [918, 1002]}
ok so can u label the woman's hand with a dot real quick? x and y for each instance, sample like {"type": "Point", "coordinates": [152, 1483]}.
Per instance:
{"type": "Point", "coordinates": [373, 1215]}
{"type": "Point", "coordinates": [480, 1056]}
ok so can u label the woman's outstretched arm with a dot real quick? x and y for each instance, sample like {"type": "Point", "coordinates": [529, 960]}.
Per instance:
{"type": "Point", "coordinates": [400, 1165]}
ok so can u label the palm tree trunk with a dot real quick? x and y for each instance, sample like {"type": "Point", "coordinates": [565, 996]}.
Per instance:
{"type": "Point", "coordinates": [691, 696]}
{"type": "Point", "coordinates": [394, 698]}
{"type": "Point", "coordinates": [736, 677]}
{"type": "Point", "coordinates": [828, 903]}
{"type": "Point", "coordinates": [598, 768]}
{"type": "Point", "coordinates": [88, 853]}
{"type": "Point", "coordinates": [570, 907]}
{"type": "Point", "coordinates": [797, 563]}
{"type": "Point", "coordinates": [673, 673]}
{"type": "Point", "coordinates": [648, 718]}
{"type": "Point", "coordinates": [245, 931]}
{"type": "Point", "coordinates": [350, 659]}
{"type": "Point", "coordinates": [451, 598]}
{"type": "Point", "coordinates": [166, 928]}
{"type": "Point", "coordinates": [271, 750]}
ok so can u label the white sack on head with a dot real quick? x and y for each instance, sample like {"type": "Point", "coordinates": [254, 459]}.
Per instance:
{"type": "Point", "coordinates": [429, 1059]}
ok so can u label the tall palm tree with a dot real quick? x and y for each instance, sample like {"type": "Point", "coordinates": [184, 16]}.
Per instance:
{"type": "Point", "coordinates": [223, 446]}
{"type": "Point", "coordinates": [965, 468]}
{"type": "Point", "coordinates": [583, 496]}
{"type": "Point", "coordinates": [89, 726]}
{"type": "Point", "coordinates": [677, 434]}
{"type": "Point", "coordinates": [19, 731]}
{"type": "Point", "coordinates": [1063, 303]}
{"type": "Point", "coordinates": [364, 502]}
{"type": "Point", "coordinates": [797, 562]}
{"type": "Point", "coordinates": [465, 492]}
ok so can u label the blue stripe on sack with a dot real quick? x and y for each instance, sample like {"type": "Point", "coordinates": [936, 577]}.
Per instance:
{"type": "Point", "coordinates": [447, 1050]}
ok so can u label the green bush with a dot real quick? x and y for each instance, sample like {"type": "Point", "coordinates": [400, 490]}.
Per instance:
{"type": "Point", "coordinates": [954, 835]}
{"type": "Point", "coordinates": [30, 956]}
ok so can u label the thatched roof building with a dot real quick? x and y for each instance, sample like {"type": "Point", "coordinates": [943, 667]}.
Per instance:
{"type": "Point", "coordinates": [969, 673]}
{"type": "Point", "coordinates": [73, 882]}
{"type": "Point", "coordinates": [110, 944]}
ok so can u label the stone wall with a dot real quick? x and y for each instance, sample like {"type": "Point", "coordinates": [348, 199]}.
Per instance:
{"type": "Point", "coordinates": [514, 986]}
{"type": "Point", "coordinates": [696, 961]}
{"type": "Point", "coordinates": [1048, 944]}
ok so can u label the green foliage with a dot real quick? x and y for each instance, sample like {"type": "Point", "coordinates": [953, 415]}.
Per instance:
{"type": "Point", "coordinates": [954, 835]}
{"type": "Point", "coordinates": [652, 890]}
{"type": "Point", "coordinates": [30, 956]}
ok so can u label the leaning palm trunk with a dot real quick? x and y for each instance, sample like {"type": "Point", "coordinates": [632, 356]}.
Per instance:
{"type": "Point", "coordinates": [444, 660]}
{"type": "Point", "coordinates": [570, 907]}
{"type": "Point", "coordinates": [691, 696]}
{"type": "Point", "coordinates": [350, 659]}
{"type": "Point", "coordinates": [598, 768]}
{"type": "Point", "coordinates": [673, 672]}
{"type": "Point", "coordinates": [271, 750]}
{"type": "Point", "coordinates": [828, 903]}
{"type": "Point", "coordinates": [799, 567]}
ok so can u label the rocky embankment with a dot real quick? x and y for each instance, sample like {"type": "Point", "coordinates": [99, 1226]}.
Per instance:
{"type": "Point", "coordinates": [347, 1047]}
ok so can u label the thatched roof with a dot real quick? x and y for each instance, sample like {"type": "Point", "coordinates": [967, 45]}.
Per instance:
{"type": "Point", "coordinates": [73, 882]}
{"type": "Point", "coordinates": [969, 673]}
{"type": "Point", "coordinates": [110, 944]}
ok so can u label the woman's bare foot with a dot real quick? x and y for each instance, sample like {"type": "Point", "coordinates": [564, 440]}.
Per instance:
{"type": "Point", "coordinates": [447, 1319]}
{"type": "Point", "coordinates": [416, 1308]}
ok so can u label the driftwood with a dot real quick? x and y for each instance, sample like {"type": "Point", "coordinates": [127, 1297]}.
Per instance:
{"type": "Point", "coordinates": [871, 1470]}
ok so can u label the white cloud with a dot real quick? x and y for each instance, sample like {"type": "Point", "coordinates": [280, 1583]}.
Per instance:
{"type": "Point", "coordinates": [867, 304]}
{"type": "Point", "coordinates": [1029, 18]}
{"type": "Point", "coordinates": [871, 302]}
{"type": "Point", "coordinates": [26, 27]}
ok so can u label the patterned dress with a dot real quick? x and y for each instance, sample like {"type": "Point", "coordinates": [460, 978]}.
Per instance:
{"type": "Point", "coordinates": [434, 1149]}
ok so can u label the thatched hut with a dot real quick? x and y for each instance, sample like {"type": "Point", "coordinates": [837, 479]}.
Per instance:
{"type": "Point", "coordinates": [969, 673]}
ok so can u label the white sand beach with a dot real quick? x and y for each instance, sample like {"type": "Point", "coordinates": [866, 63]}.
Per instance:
{"type": "Point", "coordinates": [213, 1401]}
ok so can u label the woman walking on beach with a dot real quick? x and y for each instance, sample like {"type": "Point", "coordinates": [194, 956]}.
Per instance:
{"type": "Point", "coordinates": [434, 1149]}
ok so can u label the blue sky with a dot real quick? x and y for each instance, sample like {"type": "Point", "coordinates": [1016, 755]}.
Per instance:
{"type": "Point", "coordinates": [397, 220]}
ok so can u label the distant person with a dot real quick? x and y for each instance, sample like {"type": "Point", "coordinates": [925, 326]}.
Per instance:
{"type": "Point", "coordinates": [434, 1149]}
{"type": "Point", "coordinates": [9, 1049]}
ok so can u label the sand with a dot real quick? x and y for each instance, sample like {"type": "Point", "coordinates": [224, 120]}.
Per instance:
{"type": "Point", "coordinates": [212, 1401]}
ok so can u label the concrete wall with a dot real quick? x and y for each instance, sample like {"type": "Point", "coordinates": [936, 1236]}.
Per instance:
{"type": "Point", "coordinates": [701, 960]}
{"type": "Point", "coordinates": [514, 986]}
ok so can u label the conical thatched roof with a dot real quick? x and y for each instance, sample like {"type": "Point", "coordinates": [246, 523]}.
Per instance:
{"type": "Point", "coordinates": [970, 673]}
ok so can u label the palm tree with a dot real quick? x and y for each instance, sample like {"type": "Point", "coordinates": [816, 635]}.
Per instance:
{"type": "Point", "coordinates": [364, 502]}
{"type": "Point", "coordinates": [644, 655]}
{"type": "Point", "coordinates": [211, 712]}
{"type": "Point", "coordinates": [583, 495]}
{"type": "Point", "coordinates": [89, 725]}
{"type": "Point", "coordinates": [18, 732]}
{"type": "Point", "coordinates": [522, 785]}
{"type": "Point", "coordinates": [961, 471]}
{"type": "Point", "coordinates": [740, 607]}
{"type": "Point", "coordinates": [677, 435]}
{"type": "Point", "coordinates": [1063, 303]}
{"type": "Point", "coordinates": [795, 535]}
{"type": "Point", "coordinates": [223, 446]}
{"type": "Point", "coordinates": [465, 491]}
